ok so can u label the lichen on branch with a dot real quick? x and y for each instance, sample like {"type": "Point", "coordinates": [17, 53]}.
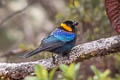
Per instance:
{"type": "Point", "coordinates": [79, 53]}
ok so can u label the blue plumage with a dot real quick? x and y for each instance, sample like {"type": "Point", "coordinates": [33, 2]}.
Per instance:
{"type": "Point", "coordinates": [63, 35]}
{"type": "Point", "coordinates": [59, 41]}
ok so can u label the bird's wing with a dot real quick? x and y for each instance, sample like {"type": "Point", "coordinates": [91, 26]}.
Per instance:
{"type": "Point", "coordinates": [51, 42]}
{"type": "Point", "coordinates": [48, 43]}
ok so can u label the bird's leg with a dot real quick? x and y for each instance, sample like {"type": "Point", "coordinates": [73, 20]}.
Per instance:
{"type": "Point", "coordinates": [53, 57]}
{"type": "Point", "coordinates": [66, 54]}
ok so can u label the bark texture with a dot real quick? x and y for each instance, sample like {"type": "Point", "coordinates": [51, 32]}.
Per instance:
{"type": "Point", "coordinates": [79, 53]}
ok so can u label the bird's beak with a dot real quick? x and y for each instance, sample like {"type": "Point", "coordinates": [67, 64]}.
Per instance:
{"type": "Point", "coordinates": [75, 23]}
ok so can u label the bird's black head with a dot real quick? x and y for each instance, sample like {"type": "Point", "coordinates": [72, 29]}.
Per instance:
{"type": "Point", "coordinates": [69, 26]}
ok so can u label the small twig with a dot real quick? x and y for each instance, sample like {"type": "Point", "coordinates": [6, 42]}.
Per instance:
{"type": "Point", "coordinates": [15, 13]}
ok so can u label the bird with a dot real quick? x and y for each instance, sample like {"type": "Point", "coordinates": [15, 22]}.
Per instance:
{"type": "Point", "coordinates": [60, 41]}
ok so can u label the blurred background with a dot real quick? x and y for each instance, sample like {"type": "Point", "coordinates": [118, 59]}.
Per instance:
{"type": "Point", "coordinates": [22, 29]}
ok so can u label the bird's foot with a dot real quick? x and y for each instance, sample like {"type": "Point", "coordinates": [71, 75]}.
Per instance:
{"type": "Point", "coordinates": [53, 57]}
{"type": "Point", "coordinates": [54, 61]}
{"type": "Point", "coordinates": [66, 56]}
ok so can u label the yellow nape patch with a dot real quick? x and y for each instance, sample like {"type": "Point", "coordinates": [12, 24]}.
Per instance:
{"type": "Point", "coordinates": [68, 28]}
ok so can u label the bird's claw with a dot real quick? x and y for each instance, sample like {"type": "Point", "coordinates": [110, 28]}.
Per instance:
{"type": "Point", "coordinates": [53, 57]}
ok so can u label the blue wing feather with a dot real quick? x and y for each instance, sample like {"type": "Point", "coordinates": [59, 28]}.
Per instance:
{"type": "Point", "coordinates": [51, 42]}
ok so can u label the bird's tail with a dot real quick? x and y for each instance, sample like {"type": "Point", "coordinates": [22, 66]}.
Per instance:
{"type": "Point", "coordinates": [29, 54]}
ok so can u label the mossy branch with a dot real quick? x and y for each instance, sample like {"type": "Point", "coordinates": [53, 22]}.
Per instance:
{"type": "Point", "coordinates": [79, 53]}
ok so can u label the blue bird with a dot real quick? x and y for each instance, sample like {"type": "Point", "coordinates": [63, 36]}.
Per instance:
{"type": "Point", "coordinates": [60, 41]}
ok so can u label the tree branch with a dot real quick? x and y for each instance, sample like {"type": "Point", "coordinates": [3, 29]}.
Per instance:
{"type": "Point", "coordinates": [81, 52]}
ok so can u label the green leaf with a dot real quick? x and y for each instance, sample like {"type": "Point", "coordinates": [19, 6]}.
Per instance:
{"type": "Point", "coordinates": [52, 73]}
{"type": "Point", "coordinates": [63, 67]}
{"type": "Point", "coordinates": [41, 72]}
{"type": "Point", "coordinates": [96, 72]}
{"type": "Point", "coordinates": [105, 74]}
{"type": "Point", "coordinates": [31, 78]}
{"type": "Point", "coordinates": [70, 71]}
{"type": "Point", "coordinates": [77, 66]}
{"type": "Point", "coordinates": [65, 71]}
